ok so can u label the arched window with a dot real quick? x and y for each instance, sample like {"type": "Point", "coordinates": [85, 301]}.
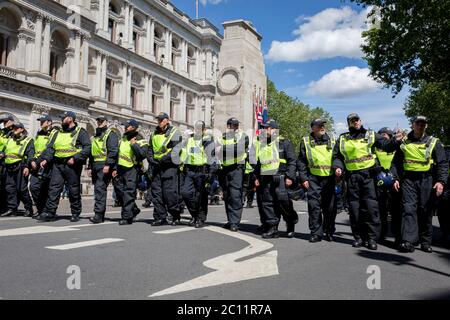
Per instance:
{"type": "Point", "coordinates": [9, 26]}
{"type": "Point", "coordinates": [58, 50]}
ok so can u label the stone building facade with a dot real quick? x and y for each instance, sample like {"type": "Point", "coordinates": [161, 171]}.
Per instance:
{"type": "Point", "coordinates": [121, 58]}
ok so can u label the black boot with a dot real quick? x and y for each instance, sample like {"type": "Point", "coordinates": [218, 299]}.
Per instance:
{"type": "Point", "coordinates": [315, 238]}
{"type": "Point", "coordinates": [406, 247]}
{"type": "Point", "coordinates": [9, 213]}
{"type": "Point", "coordinates": [98, 218]}
{"type": "Point", "coordinates": [290, 230]}
{"type": "Point", "coordinates": [199, 224]}
{"type": "Point", "coordinates": [372, 245]}
{"type": "Point", "coordinates": [357, 243]}
{"type": "Point", "coordinates": [272, 233]}
{"type": "Point", "coordinates": [29, 213]}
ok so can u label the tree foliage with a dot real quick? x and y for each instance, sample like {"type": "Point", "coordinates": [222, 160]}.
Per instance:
{"type": "Point", "coordinates": [293, 116]}
{"type": "Point", "coordinates": [409, 43]}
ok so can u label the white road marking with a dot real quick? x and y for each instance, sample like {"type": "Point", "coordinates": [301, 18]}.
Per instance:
{"type": "Point", "coordinates": [230, 271]}
{"type": "Point", "coordinates": [45, 229]}
{"type": "Point", "coordinates": [85, 244]}
{"type": "Point", "coordinates": [14, 218]}
{"type": "Point", "coordinates": [172, 231]}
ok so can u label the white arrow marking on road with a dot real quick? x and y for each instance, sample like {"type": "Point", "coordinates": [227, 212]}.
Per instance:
{"type": "Point", "coordinates": [44, 229]}
{"type": "Point", "coordinates": [83, 244]}
{"type": "Point", "coordinates": [230, 271]}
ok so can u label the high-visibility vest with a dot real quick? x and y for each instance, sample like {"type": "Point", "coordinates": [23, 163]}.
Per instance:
{"type": "Point", "coordinates": [15, 150]}
{"type": "Point", "coordinates": [269, 156]}
{"type": "Point", "coordinates": [127, 158]}
{"type": "Point", "coordinates": [160, 142]}
{"type": "Point", "coordinates": [418, 156]}
{"type": "Point", "coordinates": [227, 141]}
{"type": "Point", "coordinates": [358, 153]}
{"type": "Point", "coordinates": [385, 158]}
{"type": "Point", "coordinates": [41, 141]}
{"type": "Point", "coordinates": [3, 140]}
{"type": "Point", "coordinates": [320, 157]}
{"type": "Point", "coordinates": [195, 152]}
{"type": "Point", "coordinates": [248, 168]}
{"type": "Point", "coordinates": [98, 147]}
{"type": "Point", "coordinates": [65, 143]}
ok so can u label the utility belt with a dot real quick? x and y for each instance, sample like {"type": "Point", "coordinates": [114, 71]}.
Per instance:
{"type": "Point", "coordinates": [196, 169]}
{"type": "Point", "coordinates": [276, 178]}
{"type": "Point", "coordinates": [413, 175]}
{"type": "Point", "coordinates": [366, 173]}
{"type": "Point", "coordinates": [233, 167]}
{"type": "Point", "coordinates": [13, 167]}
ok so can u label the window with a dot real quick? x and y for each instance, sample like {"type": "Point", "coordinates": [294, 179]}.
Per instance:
{"type": "Point", "coordinates": [109, 90]}
{"type": "Point", "coordinates": [136, 42]}
{"type": "Point", "coordinates": [155, 49]}
{"type": "Point", "coordinates": [4, 44]}
{"type": "Point", "coordinates": [53, 65]}
{"type": "Point", "coordinates": [113, 8]}
{"type": "Point", "coordinates": [112, 29]}
{"type": "Point", "coordinates": [172, 110]}
{"type": "Point", "coordinates": [154, 102]}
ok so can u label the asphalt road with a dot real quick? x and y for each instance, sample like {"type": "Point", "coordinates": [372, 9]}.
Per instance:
{"type": "Point", "coordinates": [144, 262]}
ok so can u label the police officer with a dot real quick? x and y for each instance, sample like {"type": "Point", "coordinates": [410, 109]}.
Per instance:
{"type": "Point", "coordinates": [355, 153]}
{"type": "Point", "coordinates": [18, 153]}
{"type": "Point", "coordinates": [163, 157]}
{"type": "Point", "coordinates": [199, 164]}
{"type": "Point", "coordinates": [420, 168]}
{"type": "Point", "coordinates": [104, 152]}
{"type": "Point", "coordinates": [40, 178]}
{"type": "Point", "coordinates": [233, 146]}
{"type": "Point", "coordinates": [315, 163]}
{"type": "Point", "coordinates": [133, 150]}
{"type": "Point", "coordinates": [7, 123]}
{"type": "Point", "coordinates": [388, 201]}
{"type": "Point", "coordinates": [68, 152]}
{"type": "Point", "coordinates": [275, 172]}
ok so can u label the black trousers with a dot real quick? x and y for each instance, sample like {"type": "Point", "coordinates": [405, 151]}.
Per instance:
{"type": "Point", "coordinates": [148, 196]}
{"type": "Point", "coordinates": [418, 203]}
{"type": "Point", "coordinates": [101, 182]}
{"type": "Point", "coordinates": [62, 173]}
{"type": "Point", "coordinates": [443, 212]}
{"type": "Point", "coordinates": [39, 187]}
{"type": "Point", "coordinates": [166, 193]}
{"type": "Point", "coordinates": [16, 188]}
{"type": "Point", "coordinates": [126, 184]}
{"type": "Point", "coordinates": [274, 202]}
{"type": "Point", "coordinates": [3, 205]}
{"type": "Point", "coordinates": [390, 203]}
{"type": "Point", "coordinates": [195, 195]}
{"type": "Point", "coordinates": [231, 179]}
{"type": "Point", "coordinates": [363, 205]}
{"type": "Point", "coordinates": [321, 202]}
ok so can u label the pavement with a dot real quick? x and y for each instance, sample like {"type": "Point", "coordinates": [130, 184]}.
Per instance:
{"type": "Point", "coordinates": [63, 260]}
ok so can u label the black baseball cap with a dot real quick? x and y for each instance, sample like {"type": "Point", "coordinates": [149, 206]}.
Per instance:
{"type": "Point", "coordinates": [162, 116]}
{"type": "Point", "coordinates": [70, 114]}
{"type": "Point", "coordinates": [233, 122]}
{"type": "Point", "coordinates": [353, 116]}
{"type": "Point", "coordinates": [19, 125]}
{"type": "Point", "coordinates": [131, 122]}
{"type": "Point", "coordinates": [101, 118]}
{"type": "Point", "coordinates": [46, 117]}
{"type": "Point", "coordinates": [386, 130]}
{"type": "Point", "coordinates": [420, 119]}
{"type": "Point", "coordinates": [272, 124]}
{"type": "Point", "coordinates": [317, 122]}
{"type": "Point", "coordinates": [7, 118]}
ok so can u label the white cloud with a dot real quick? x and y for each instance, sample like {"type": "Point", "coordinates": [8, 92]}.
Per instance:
{"type": "Point", "coordinates": [290, 70]}
{"type": "Point", "coordinates": [330, 33]}
{"type": "Point", "coordinates": [340, 127]}
{"type": "Point", "coordinates": [342, 83]}
{"type": "Point", "coordinates": [205, 2]}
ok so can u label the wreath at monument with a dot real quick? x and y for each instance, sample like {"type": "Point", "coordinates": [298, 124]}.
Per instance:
{"type": "Point", "coordinates": [229, 71]}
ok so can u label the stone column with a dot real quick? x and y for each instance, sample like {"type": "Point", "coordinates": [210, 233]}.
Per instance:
{"type": "Point", "coordinates": [147, 37]}
{"type": "Point", "coordinates": [150, 92]}
{"type": "Point", "coordinates": [126, 32]}
{"type": "Point", "coordinates": [168, 59]}
{"type": "Point", "coordinates": [123, 92]}
{"type": "Point", "coordinates": [105, 15]}
{"type": "Point", "coordinates": [75, 72]}
{"type": "Point", "coordinates": [46, 48]}
{"type": "Point", "coordinates": [37, 44]}
{"type": "Point", "coordinates": [208, 65]}
{"type": "Point", "coordinates": [166, 107]}
{"type": "Point", "coordinates": [182, 105]}
{"type": "Point", "coordinates": [145, 100]}
{"type": "Point", "coordinates": [85, 50]}
{"type": "Point", "coordinates": [101, 14]}
{"type": "Point", "coordinates": [197, 65]}
{"type": "Point", "coordinates": [152, 38]}
{"type": "Point", "coordinates": [130, 27]}
{"type": "Point", "coordinates": [128, 94]}
{"type": "Point", "coordinates": [208, 111]}
{"type": "Point", "coordinates": [68, 68]}
{"type": "Point", "coordinates": [21, 51]}
{"type": "Point", "coordinates": [103, 75]}
{"type": "Point", "coordinates": [98, 75]}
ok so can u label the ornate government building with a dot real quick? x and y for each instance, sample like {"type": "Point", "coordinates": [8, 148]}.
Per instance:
{"type": "Point", "coordinates": [124, 59]}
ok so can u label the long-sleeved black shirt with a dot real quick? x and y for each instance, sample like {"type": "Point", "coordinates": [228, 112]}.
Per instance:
{"type": "Point", "coordinates": [175, 144]}
{"type": "Point", "coordinates": [286, 151]}
{"type": "Point", "coordinates": [440, 162]}
{"type": "Point", "coordinates": [302, 162]}
{"type": "Point", "coordinates": [83, 142]}
{"type": "Point", "coordinates": [112, 147]}
{"type": "Point", "coordinates": [380, 143]}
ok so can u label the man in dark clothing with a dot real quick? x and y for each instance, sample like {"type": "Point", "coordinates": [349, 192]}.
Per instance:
{"type": "Point", "coordinates": [316, 175]}
{"type": "Point", "coordinates": [18, 153]}
{"type": "Point", "coordinates": [355, 153]}
{"type": "Point", "coordinates": [68, 152]}
{"type": "Point", "coordinates": [5, 133]}
{"type": "Point", "coordinates": [103, 160]}
{"type": "Point", "coordinates": [420, 169]}
{"type": "Point", "coordinates": [164, 145]}
{"type": "Point", "coordinates": [275, 167]}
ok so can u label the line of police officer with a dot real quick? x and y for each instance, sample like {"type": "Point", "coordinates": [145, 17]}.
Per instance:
{"type": "Point", "coordinates": [180, 170]}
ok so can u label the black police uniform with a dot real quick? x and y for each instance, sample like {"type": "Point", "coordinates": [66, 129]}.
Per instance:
{"type": "Point", "coordinates": [165, 186]}
{"type": "Point", "coordinates": [418, 196]}
{"type": "Point", "coordinates": [361, 189]}
{"type": "Point", "coordinates": [63, 173]}
{"type": "Point", "coordinates": [101, 180]}
{"type": "Point", "coordinates": [5, 133]}
{"type": "Point", "coordinates": [321, 193]}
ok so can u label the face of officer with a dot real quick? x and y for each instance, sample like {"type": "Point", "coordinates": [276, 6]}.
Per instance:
{"type": "Point", "coordinates": [67, 123]}
{"type": "Point", "coordinates": [199, 130]}
{"type": "Point", "coordinates": [130, 129]}
{"type": "Point", "coordinates": [46, 125]}
{"type": "Point", "coordinates": [319, 130]}
{"type": "Point", "coordinates": [18, 132]}
{"type": "Point", "coordinates": [419, 128]}
{"type": "Point", "coordinates": [162, 124]}
{"type": "Point", "coordinates": [8, 124]}
{"type": "Point", "coordinates": [385, 136]}
{"type": "Point", "coordinates": [102, 123]}
{"type": "Point", "coordinates": [355, 123]}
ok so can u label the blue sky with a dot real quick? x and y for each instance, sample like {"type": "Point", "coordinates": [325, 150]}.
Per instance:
{"type": "Point", "coordinates": [312, 52]}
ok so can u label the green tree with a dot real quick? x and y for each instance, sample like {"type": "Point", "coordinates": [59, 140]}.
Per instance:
{"type": "Point", "coordinates": [293, 116]}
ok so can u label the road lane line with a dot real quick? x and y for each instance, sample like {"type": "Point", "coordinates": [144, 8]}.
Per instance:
{"type": "Point", "coordinates": [45, 229]}
{"type": "Point", "coordinates": [227, 270]}
{"type": "Point", "coordinates": [172, 231]}
{"type": "Point", "coordinates": [83, 244]}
